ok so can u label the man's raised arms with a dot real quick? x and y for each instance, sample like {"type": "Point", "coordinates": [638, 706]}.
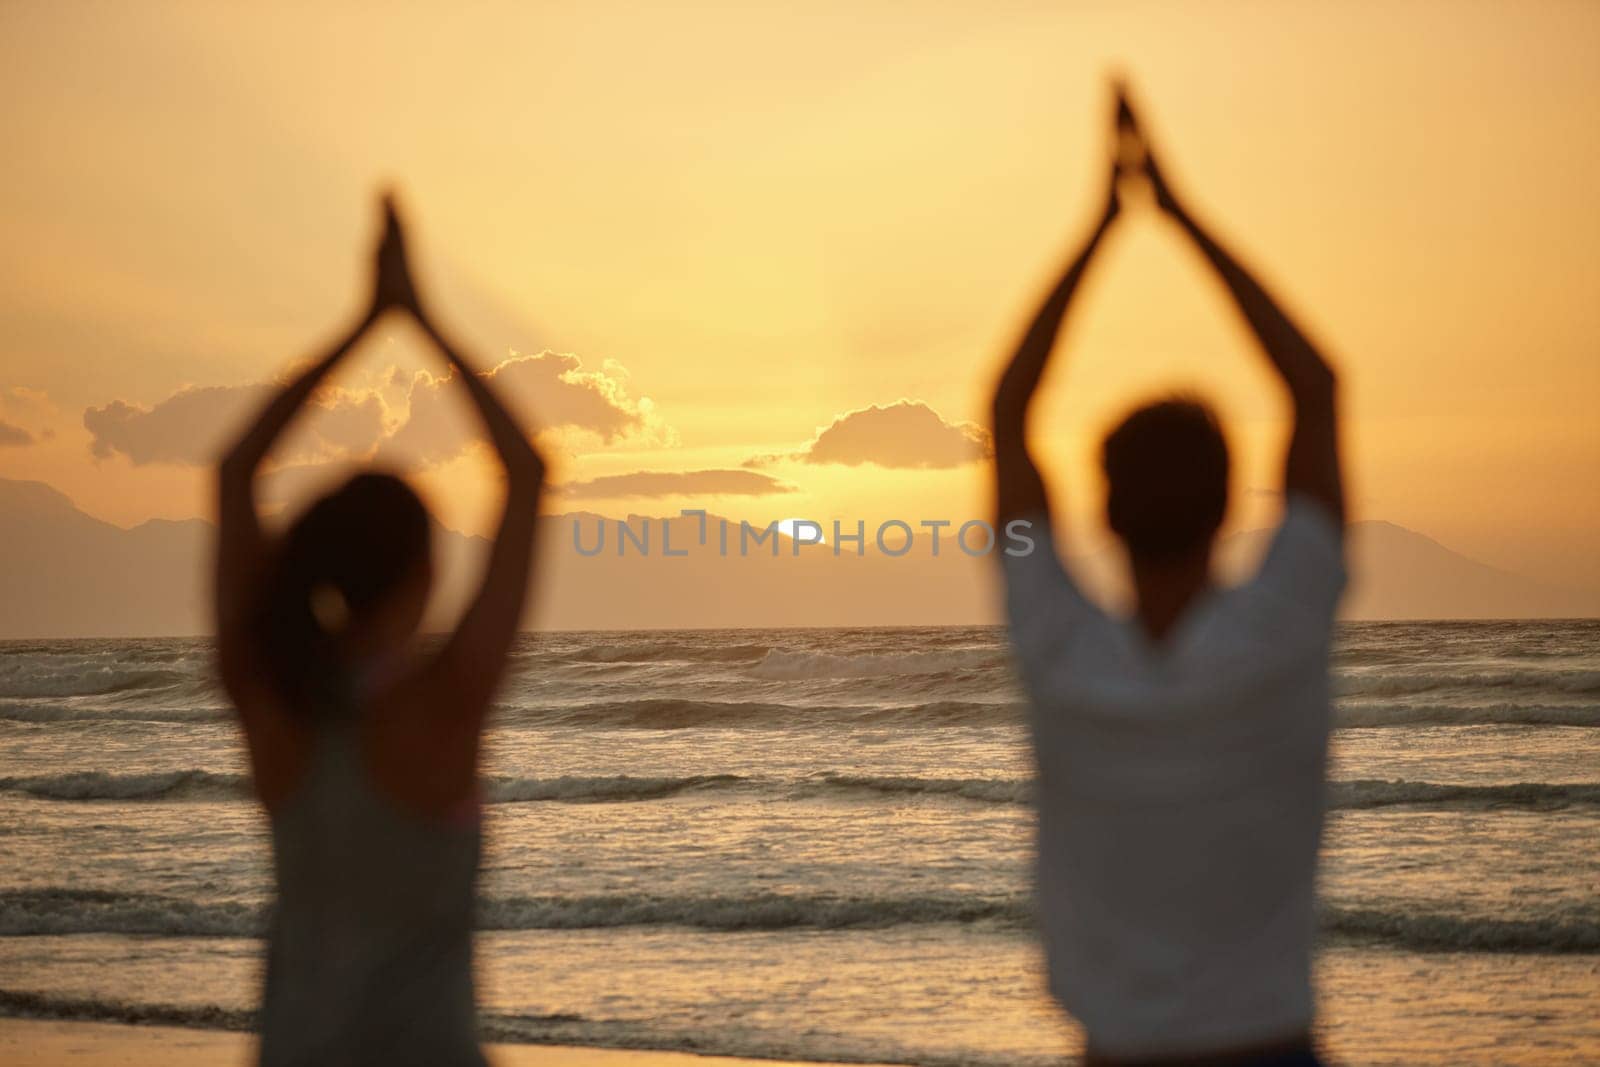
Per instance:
{"type": "Point", "coordinates": [1312, 466]}
{"type": "Point", "coordinates": [1019, 490]}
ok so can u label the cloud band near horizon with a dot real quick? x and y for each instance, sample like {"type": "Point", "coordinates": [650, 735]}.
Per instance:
{"type": "Point", "coordinates": [190, 427]}
{"type": "Point", "coordinates": [904, 435]}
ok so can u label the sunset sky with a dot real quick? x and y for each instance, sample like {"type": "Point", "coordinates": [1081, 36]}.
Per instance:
{"type": "Point", "coordinates": [711, 234]}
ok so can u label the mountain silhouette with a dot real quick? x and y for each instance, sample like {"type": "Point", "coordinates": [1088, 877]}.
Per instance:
{"type": "Point", "coordinates": [66, 574]}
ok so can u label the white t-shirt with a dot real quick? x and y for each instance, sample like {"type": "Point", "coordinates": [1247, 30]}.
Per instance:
{"type": "Point", "coordinates": [1181, 795]}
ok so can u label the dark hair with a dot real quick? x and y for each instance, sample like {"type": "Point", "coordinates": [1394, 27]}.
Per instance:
{"type": "Point", "coordinates": [346, 553]}
{"type": "Point", "coordinates": [1166, 467]}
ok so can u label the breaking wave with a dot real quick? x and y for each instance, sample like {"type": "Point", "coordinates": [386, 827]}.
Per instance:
{"type": "Point", "coordinates": [667, 713]}
{"type": "Point", "coordinates": [1401, 683]}
{"type": "Point", "coordinates": [988, 790]}
{"type": "Point", "coordinates": [89, 681]}
{"type": "Point", "coordinates": [1354, 794]}
{"type": "Point", "coordinates": [1374, 793]}
{"type": "Point", "coordinates": [98, 785]}
{"type": "Point", "coordinates": [29, 1005]}
{"type": "Point", "coordinates": [1450, 933]}
{"type": "Point", "coordinates": [677, 714]}
{"type": "Point", "coordinates": [57, 911]}
{"type": "Point", "coordinates": [12, 711]}
{"type": "Point", "coordinates": [1372, 715]}
{"type": "Point", "coordinates": [606, 788]}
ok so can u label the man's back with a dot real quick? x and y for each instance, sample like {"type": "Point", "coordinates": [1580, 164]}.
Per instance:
{"type": "Point", "coordinates": [1180, 797]}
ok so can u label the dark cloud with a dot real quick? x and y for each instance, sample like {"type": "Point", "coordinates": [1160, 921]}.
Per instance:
{"type": "Point", "coordinates": [906, 434]}
{"type": "Point", "coordinates": [676, 483]}
{"type": "Point", "coordinates": [14, 436]}
{"type": "Point", "coordinates": [193, 425]}
{"type": "Point", "coordinates": [552, 389]}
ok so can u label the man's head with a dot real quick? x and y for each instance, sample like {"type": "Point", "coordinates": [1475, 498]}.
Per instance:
{"type": "Point", "coordinates": [1166, 467]}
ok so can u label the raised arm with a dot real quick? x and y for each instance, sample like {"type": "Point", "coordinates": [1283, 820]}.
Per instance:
{"type": "Point", "coordinates": [474, 657]}
{"type": "Point", "coordinates": [241, 548]}
{"type": "Point", "coordinates": [470, 665]}
{"type": "Point", "coordinates": [1312, 465]}
{"type": "Point", "coordinates": [1019, 490]}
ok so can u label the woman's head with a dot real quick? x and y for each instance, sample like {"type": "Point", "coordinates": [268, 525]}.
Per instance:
{"type": "Point", "coordinates": [349, 584]}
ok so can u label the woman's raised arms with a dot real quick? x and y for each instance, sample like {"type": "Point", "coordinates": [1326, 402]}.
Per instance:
{"type": "Point", "coordinates": [242, 549]}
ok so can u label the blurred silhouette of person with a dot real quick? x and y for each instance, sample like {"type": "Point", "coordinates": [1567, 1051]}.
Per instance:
{"type": "Point", "coordinates": [1181, 752]}
{"type": "Point", "coordinates": [364, 749]}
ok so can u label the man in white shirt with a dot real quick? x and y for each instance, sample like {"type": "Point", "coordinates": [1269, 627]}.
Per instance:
{"type": "Point", "coordinates": [1181, 752]}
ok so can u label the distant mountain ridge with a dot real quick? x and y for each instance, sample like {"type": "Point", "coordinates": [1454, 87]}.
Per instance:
{"type": "Point", "coordinates": [1398, 573]}
{"type": "Point", "coordinates": [64, 573]}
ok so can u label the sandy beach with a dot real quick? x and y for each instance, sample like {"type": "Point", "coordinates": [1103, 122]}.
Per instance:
{"type": "Point", "coordinates": [46, 1043]}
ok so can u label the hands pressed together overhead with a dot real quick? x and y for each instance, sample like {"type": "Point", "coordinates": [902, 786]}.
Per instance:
{"type": "Point", "coordinates": [392, 285]}
{"type": "Point", "coordinates": [1312, 465]}
{"type": "Point", "coordinates": [1134, 164]}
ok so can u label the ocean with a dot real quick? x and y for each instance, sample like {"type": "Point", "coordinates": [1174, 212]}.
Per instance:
{"type": "Point", "coordinates": [815, 844]}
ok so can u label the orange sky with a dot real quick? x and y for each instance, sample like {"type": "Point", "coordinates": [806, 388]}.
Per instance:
{"type": "Point", "coordinates": [761, 221]}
